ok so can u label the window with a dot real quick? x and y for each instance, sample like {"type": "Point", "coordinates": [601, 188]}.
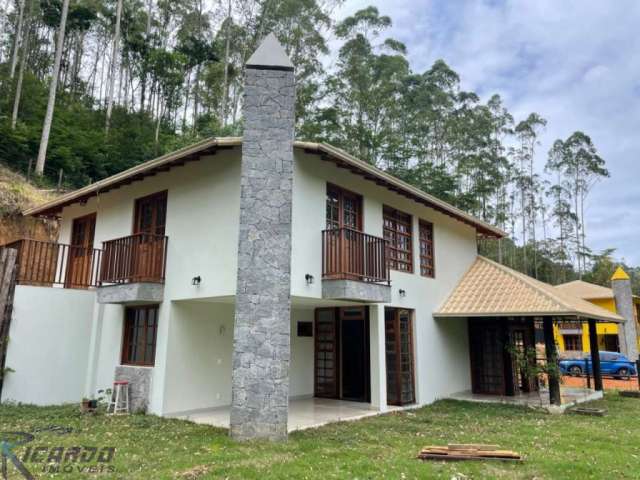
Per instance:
{"type": "Point", "coordinates": [139, 342]}
{"type": "Point", "coordinates": [572, 342]}
{"type": "Point", "coordinates": [397, 231]}
{"type": "Point", "coordinates": [427, 256]}
{"type": "Point", "coordinates": [151, 214]}
{"type": "Point", "coordinates": [344, 209]}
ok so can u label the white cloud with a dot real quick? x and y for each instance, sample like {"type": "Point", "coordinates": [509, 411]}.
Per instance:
{"type": "Point", "coordinates": [574, 62]}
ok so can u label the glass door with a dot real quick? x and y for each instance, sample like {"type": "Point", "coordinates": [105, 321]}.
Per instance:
{"type": "Point", "coordinates": [399, 356]}
{"type": "Point", "coordinates": [326, 353]}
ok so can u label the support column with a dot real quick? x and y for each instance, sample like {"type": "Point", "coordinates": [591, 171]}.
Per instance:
{"type": "Point", "coordinates": [552, 359]}
{"type": "Point", "coordinates": [261, 338]}
{"type": "Point", "coordinates": [378, 359]}
{"type": "Point", "coordinates": [90, 387]}
{"type": "Point", "coordinates": [595, 356]}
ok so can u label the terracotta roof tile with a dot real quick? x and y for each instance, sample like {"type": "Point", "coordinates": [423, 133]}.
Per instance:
{"type": "Point", "coordinates": [491, 289]}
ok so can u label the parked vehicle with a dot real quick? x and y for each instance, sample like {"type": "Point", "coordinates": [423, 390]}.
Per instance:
{"type": "Point", "coordinates": [611, 363]}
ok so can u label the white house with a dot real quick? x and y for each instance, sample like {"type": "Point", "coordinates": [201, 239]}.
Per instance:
{"type": "Point", "coordinates": [343, 267]}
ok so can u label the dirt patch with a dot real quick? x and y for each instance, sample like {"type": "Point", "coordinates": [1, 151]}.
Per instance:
{"type": "Point", "coordinates": [16, 195]}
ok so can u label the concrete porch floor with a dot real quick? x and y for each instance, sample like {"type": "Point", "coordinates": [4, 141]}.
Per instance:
{"type": "Point", "coordinates": [303, 413]}
{"type": "Point", "coordinates": [570, 396]}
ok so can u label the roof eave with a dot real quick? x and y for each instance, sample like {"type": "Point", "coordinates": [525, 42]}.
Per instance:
{"type": "Point", "coordinates": [578, 315]}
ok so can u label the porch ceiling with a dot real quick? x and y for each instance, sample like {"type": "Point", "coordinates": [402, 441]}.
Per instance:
{"type": "Point", "coordinates": [489, 289]}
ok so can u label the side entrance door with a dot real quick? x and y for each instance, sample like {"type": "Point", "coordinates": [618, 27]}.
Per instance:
{"type": "Point", "coordinates": [399, 356]}
{"type": "Point", "coordinates": [80, 262]}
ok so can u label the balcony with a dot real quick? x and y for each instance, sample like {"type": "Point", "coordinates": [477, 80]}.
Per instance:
{"type": "Point", "coordinates": [133, 269]}
{"type": "Point", "coordinates": [49, 264]}
{"type": "Point", "coordinates": [354, 266]}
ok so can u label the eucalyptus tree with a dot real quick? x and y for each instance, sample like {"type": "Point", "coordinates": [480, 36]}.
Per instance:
{"type": "Point", "coordinates": [112, 66]}
{"type": "Point", "coordinates": [579, 166]}
{"type": "Point", "coordinates": [48, 118]}
{"type": "Point", "coordinates": [367, 84]}
{"type": "Point", "coordinates": [527, 133]}
{"type": "Point", "coordinates": [17, 39]}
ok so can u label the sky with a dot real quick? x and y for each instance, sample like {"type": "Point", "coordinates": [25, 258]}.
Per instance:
{"type": "Point", "coordinates": [575, 62]}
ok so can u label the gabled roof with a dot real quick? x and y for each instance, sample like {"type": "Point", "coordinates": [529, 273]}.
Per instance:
{"type": "Point", "coordinates": [586, 290]}
{"type": "Point", "coordinates": [211, 145]}
{"type": "Point", "coordinates": [489, 289]}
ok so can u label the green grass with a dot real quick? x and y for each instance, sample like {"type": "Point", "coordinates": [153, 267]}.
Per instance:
{"type": "Point", "coordinates": [554, 446]}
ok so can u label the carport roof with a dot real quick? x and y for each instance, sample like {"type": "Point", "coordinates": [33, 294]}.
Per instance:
{"type": "Point", "coordinates": [489, 289]}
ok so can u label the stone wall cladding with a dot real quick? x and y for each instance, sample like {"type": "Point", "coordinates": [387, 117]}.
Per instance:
{"type": "Point", "coordinates": [355, 290]}
{"type": "Point", "coordinates": [139, 379]}
{"type": "Point", "coordinates": [260, 379]}
{"type": "Point", "coordinates": [627, 332]}
{"type": "Point", "coordinates": [137, 292]}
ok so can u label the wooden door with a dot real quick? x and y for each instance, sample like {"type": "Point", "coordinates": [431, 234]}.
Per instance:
{"type": "Point", "coordinates": [148, 243]}
{"type": "Point", "coordinates": [327, 361]}
{"type": "Point", "coordinates": [80, 260]}
{"type": "Point", "coordinates": [344, 211]}
{"type": "Point", "coordinates": [522, 341]}
{"type": "Point", "coordinates": [354, 354]}
{"type": "Point", "coordinates": [486, 344]}
{"type": "Point", "coordinates": [399, 356]}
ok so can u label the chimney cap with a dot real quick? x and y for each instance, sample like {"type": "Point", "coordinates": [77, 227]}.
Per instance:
{"type": "Point", "coordinates": [270, 55]}
{"type": "Point", "coordinates": [620, 274]}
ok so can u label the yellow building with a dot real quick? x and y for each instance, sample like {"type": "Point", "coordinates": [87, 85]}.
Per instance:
{"type": "Point", "coordinates": [574, 336]}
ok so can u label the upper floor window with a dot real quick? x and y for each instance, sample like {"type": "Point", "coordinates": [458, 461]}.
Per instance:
{"type": "Point", "coordinates": [139, 336]}
{"type": "Point", "coordinates": [397, 231]}
{"type": "Point", "coordinates": [151, 214]}
{"type": "Point", "coordinates": [427, 256]}
{"type": "Point", "coordinates": [344, 208]}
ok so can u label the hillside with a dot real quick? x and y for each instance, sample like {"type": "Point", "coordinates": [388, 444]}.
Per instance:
{"type": "Point", "coordinates": [16, 194]}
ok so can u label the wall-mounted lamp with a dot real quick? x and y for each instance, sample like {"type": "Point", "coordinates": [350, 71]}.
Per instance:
{"type": "Point", "coordinates": [309, 278]}
{"type": "Point", "coordinates": [196, 280]}
{"type": "Point", "coordinates": [402, 293]}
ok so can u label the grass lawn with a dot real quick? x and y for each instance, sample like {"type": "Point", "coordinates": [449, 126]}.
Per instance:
{"type": "Point", "coordinates": [148, 447]}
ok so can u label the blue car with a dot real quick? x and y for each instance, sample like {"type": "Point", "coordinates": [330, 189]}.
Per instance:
{"type": "Point", "coordinates": [611, 363]}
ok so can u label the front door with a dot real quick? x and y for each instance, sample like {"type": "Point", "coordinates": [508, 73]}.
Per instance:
{"type": "Point", "coordinates": [399, 356]}
{"type": "Point", "coordinates": [342, 354]}
{"type": "Point", "coordinates": [80, 263]}
{"type": "Point", "coordinates": [354, 358]}
{"type": "Point", "coordinates": [148, 240]}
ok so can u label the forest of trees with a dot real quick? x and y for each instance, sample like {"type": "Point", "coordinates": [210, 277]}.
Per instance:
{"type": "Point", "coordinates": [91, 87]}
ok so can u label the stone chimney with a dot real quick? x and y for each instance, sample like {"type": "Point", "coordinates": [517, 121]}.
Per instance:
{"type": "Point", "coordinates": [261, 338]}
{"type": "Point", "coordinates": [627, 332]}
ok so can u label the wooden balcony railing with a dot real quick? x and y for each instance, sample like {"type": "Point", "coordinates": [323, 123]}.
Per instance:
{"type": "Point", "coordinates": [49, 263]}
{"type": "Point", "coordinates": [137, 258]}
{"type": "Point", "coordinates": [353, 255]}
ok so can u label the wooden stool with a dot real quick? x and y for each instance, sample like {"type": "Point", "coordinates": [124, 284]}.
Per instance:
{"type": "Point", "coordinates": [119, 398]}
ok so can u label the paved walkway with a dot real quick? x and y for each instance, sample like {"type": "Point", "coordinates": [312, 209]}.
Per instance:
{"type": "Point", "coordinates": [607, 382]}
{"type": "Point", "coordinates": [303, 413]}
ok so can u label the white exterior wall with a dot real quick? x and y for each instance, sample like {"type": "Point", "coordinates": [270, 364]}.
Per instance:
{"type": "Point", "coordinates": [194, 339]}
{"type": "Point", "coordinates": [441, 350]}
{"type": "Point", "coordinates": [48, 345]}
{"type": "Point", "coordinates": [203, 207]}
{"type": "Point", "coordinates": [198, 374]}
